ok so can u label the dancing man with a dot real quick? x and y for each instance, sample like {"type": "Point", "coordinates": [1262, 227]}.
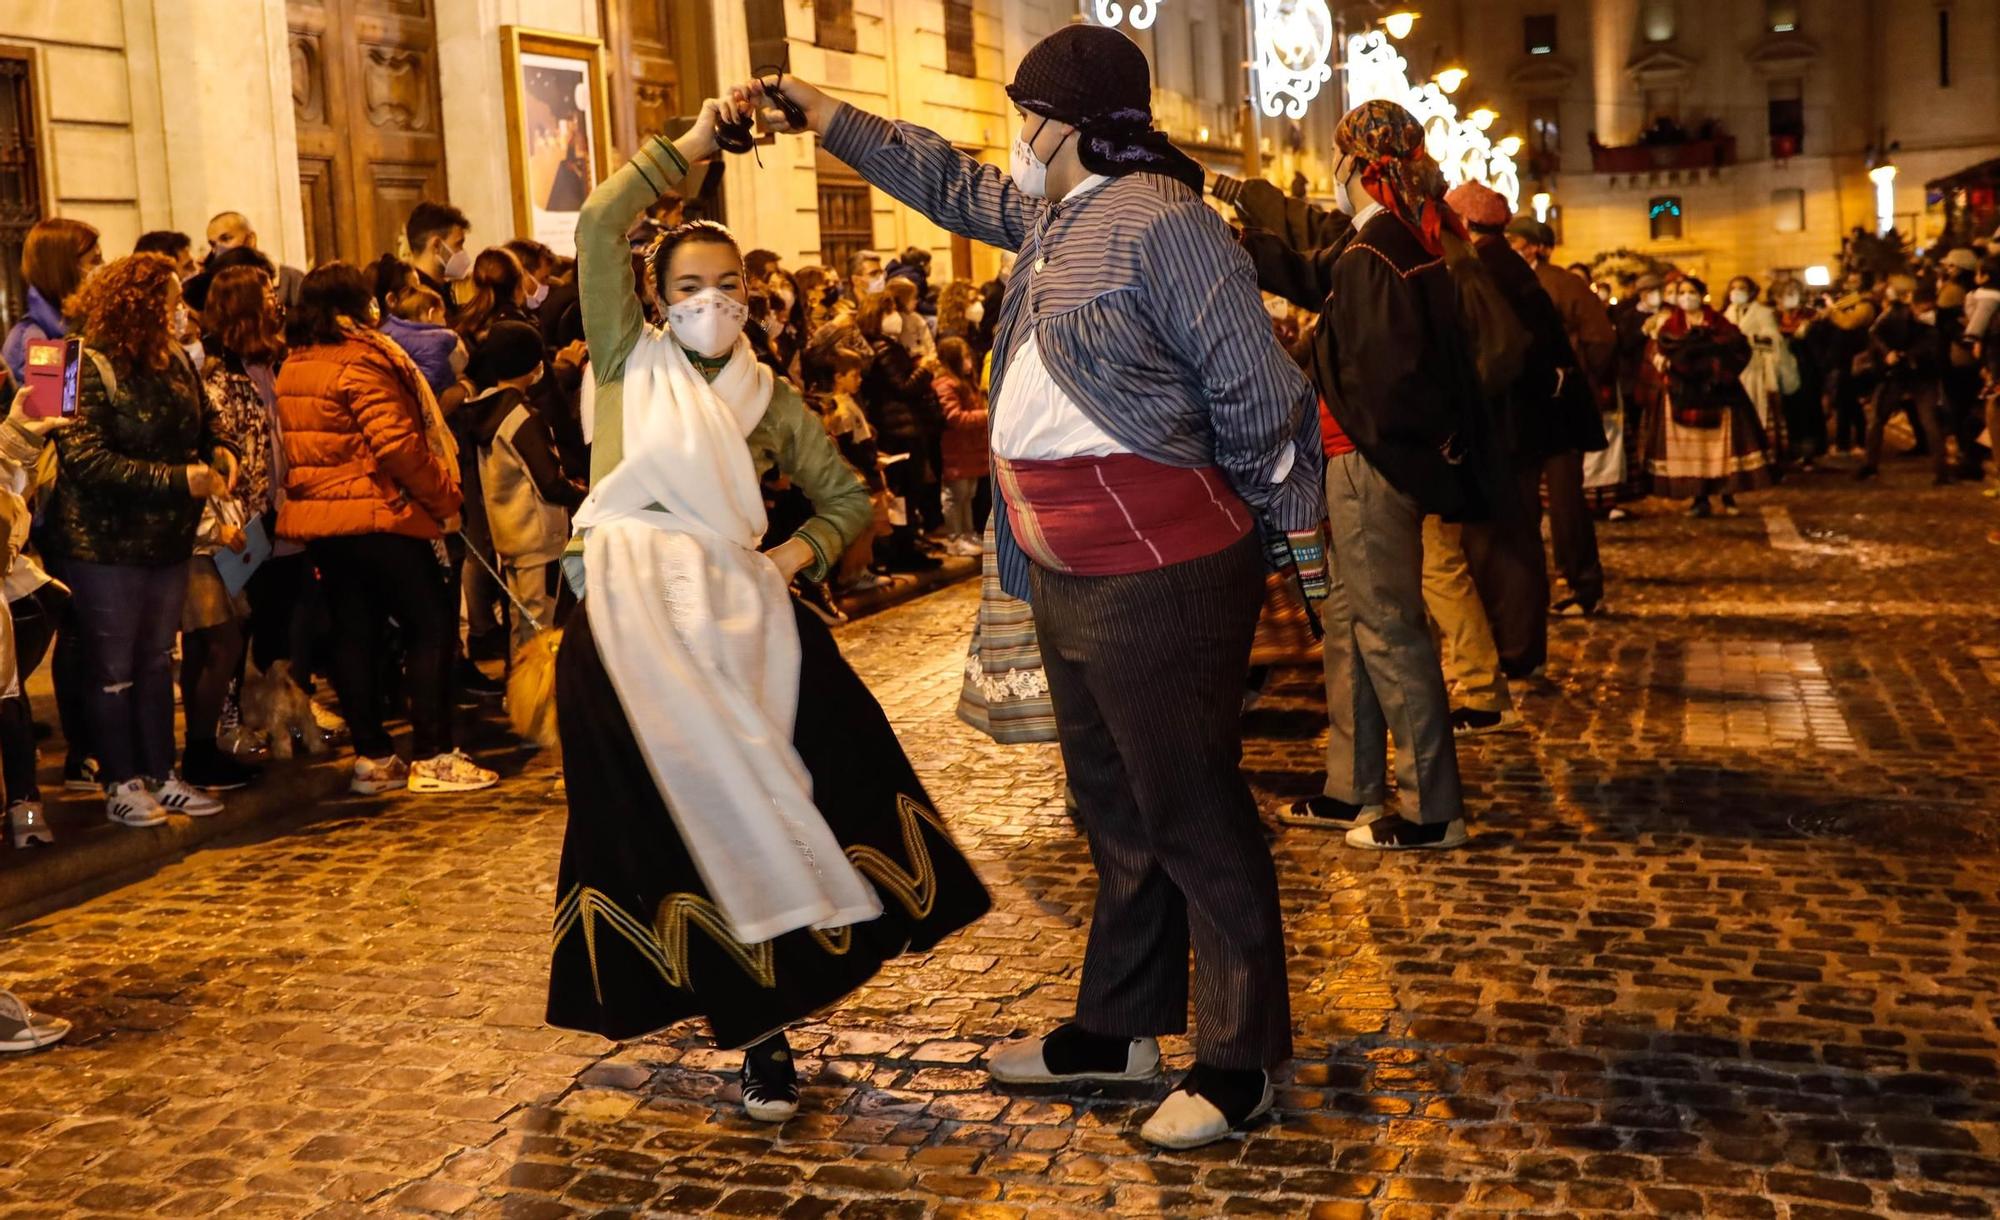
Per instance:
{"type": "Point", "coordinates": [1150, 442]}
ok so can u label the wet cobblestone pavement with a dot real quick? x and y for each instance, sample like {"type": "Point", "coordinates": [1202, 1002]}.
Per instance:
{"type": "Point", "coordinates": [1726, 943]}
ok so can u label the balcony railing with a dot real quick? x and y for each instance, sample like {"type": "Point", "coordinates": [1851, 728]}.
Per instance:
{"type": "Point", "coordinates": [1648, 158]}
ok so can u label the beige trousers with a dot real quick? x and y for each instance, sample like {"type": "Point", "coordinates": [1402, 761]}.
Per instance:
{"type": "Point", "coordinates": [1471, 660]}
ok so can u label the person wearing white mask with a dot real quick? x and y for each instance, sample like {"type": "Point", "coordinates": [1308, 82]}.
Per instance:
{"type": "Point", "coordinates": [1152, 445]}
{"type": "Point", "coordinates": [437, 234]}
{"type": "Point", "coordinates": [747, 842]}
{"type": "Point", "coordinates": [1769, 354]}
{"type": "Point", "coordinates": [1802, 390]}
{"type": "Point", "coordinates": [1703, 436]}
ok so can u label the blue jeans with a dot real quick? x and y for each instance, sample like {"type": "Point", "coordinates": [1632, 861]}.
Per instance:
{"type": "Point", "coordinates": [129, 615]}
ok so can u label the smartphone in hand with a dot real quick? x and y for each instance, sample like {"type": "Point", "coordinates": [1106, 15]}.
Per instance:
{"type": "Point", "coordinates": [52, 377]}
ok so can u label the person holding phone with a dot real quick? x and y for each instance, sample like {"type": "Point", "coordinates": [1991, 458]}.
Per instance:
{"type": "Point", "coordinates": [141, 460]}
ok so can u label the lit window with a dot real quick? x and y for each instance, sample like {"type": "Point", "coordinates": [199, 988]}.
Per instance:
{"type": "Point", "coordinates": [1657, 21]}
{"type": "Point", "coordinates": [1664, 217]}
{"type": "Point", "coordinates": [1781, 16]}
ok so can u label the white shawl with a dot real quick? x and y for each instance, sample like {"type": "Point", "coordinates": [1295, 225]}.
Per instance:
{"type": "Point", "coordinates": [696, 631]}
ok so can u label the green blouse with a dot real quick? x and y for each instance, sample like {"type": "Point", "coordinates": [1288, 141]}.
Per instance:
{"type": "Point", "coordinates": [789, 438]}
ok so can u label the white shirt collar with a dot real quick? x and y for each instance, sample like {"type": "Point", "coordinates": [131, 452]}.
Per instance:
{"type": "Point", "coordinates": [1367, 213]}
{"type": "Point", "coordinates": [1086, 186]}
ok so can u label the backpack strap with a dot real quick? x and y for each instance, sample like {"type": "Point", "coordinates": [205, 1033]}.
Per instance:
{"type": "Point", "coordinates": [104, 373]}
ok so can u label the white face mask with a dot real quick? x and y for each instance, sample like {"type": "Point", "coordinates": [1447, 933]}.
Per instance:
{"type": "Point", "coordinates": [1689, 303]}
{"type": "Point", "coordinates": [708, 323]}
{"type": "Point", "coordinates": [1739, 296]}
{"type": "Point", "coordinates": [892, 326]}
{"type": "Point", "coordinates": [1790, 300]}
{"type": "Point", "coordinates": [458, 265]}
{"type": "Point", "coordinates": [1343, 198]}
{"type": "Point", "coordinates": [1649, 301]}
{"type": "Point", "coordinates": [878, 282]}
{"type": "Point", "coordinates": [975, 313]}
{"type": "Point", "coordinates": [1029, 172]}
{"type": "Point", "coordinates": [540, 294]}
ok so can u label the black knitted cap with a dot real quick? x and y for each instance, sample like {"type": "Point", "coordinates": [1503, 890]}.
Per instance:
{"type": "Point", "coordinates": [510, 349]}
{"type": "Point", "coordinates": [1081, 73]}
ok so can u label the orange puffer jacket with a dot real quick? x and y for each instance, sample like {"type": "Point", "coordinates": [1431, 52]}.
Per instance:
{"type": "Point", "coordinates": [357, 452]}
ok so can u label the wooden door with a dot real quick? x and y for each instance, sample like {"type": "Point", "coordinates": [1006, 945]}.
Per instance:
{"type": "Point", "coordinates": [655, 77]}
{"type": "Point", "coordinates": [370, 131]}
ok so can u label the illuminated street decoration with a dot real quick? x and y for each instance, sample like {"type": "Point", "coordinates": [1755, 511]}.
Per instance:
{"type": "Point", "coordinates": [1460, 147]}
{"type": "Point", "coordinates": [1292, 41]}
{"type": "Point", "coordinates": [1141, 14]}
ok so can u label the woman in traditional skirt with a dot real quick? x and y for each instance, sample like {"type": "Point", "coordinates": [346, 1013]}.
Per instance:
{"type": "Point", "coordinates": [1763, 377]}
{"type": "Point", "coordinates": [747, 842]}
{"type": "Point", "coordinates": [1703, 436]}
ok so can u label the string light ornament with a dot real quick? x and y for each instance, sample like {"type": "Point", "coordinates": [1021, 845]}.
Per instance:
{"type": "Point", "coordinates": [1141, 14]}
{"type": "Point", "coordinates": [1292, 41]}
{"type": "Point", "coordinates": [1460, 146]}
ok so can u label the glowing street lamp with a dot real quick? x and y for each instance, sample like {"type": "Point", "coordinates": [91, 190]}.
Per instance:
{"type": "Point", "coordinates": [1451, 78]}
{"type": "Point", "coordinates": [1884, 178]}
{"type": "Point", "coordinates": [1540, 201]}
{"type": "Point", "coordinates": [1817, 276]}
{"type": "Point", "coordinates": [1399, 23]}
{"type": "Point", "coordinates": [1483, 118]}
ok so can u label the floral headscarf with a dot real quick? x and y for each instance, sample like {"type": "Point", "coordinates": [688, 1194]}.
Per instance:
{"type": "Point", "coordinates": [1396, 169]}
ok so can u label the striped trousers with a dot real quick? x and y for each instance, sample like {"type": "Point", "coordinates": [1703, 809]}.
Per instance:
{"type": "Point", "coordinates": [1147, 674]}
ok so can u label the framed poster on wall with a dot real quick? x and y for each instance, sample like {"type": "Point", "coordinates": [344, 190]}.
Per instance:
{"type": "Point", "coordinates": [558, 129]}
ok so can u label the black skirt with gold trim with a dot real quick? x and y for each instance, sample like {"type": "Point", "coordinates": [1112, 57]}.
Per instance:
{"type": "Point", "coordinates": [638, 944]}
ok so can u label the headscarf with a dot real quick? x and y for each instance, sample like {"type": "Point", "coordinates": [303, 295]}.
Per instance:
{"type": "Point", "coordinates": [1096, 80]}
{"type": "Point", "coordinates": [1396, 170]}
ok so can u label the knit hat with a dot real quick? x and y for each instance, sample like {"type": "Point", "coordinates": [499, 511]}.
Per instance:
{"type": "Point", "coordinates": [1096, 80]}
{"type": "Point", "coordinates": [1396, 168]}
{"type": "Point", "coordinates": [509, 350]}
{"type": "Point", "coordinates": [1534, 230]}
{"type": "Point", "coordinates": [1479, 204]}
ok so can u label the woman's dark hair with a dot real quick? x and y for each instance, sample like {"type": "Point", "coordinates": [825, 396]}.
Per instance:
{"type": "Point", "coordinates": [537, 258]}
{"type": "Point", "coordinates": [238, 312]}
{"type": "Point", "coordinates": [52, 257]}
{"type": "Point", "coordinates": [244, 256]}
{"type": "Point", "coordinates": [163, 241]}
{"type": "Point", "coordinates": [693, 233]}
{"type": "Point", "coordinates": [332, 292]}
{"type": "Point", "coordinates": [496, 284]}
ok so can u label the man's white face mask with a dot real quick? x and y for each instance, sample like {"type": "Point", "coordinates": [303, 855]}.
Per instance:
{"type": "Point", "coordinates": [1029, 172]}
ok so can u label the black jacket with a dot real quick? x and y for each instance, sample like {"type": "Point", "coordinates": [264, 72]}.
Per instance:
{"type": "Point", "coordinates": [1390, 355]}
{"type": "Point", "coordinates": [902, 408]}
{"type": "Point", "coordinates": [1549, 409]}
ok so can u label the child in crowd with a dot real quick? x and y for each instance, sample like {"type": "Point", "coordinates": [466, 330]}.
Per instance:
{"type": "Point", "coordinates": [905, 325]}
{"type": "Point", "coordinates": [416, 322]}
{"type": "Point", "coordinates": [835, 383]}
{"type": "Point", "coordinates": [528, 497]}
{"type": "Point", "coordinates": [965, 462]}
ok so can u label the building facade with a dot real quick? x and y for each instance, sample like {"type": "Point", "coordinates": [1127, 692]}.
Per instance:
{"type": "Point", "coordinates": [324, 121]}
{"type": "Point", "coordinates": [1729, 137]}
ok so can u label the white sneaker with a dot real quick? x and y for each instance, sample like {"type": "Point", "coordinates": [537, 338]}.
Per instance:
{"type": "Point", "coordinates": [966, 548]}
{"type": "Point", "coordinates": [1188, 1120]}
{"type": "Point", "coordinates": [453, 772]}
{"type": "Point", "coordinates": [1021, 1063]}
{"type": "Point", "coordinates": [24, 1029]}
{"type": "Point", "coordinates": [178, 796]}
{"type": "Point", "coordinates": [132, 804]}
{"type": "Point", "coordinates": [373, 776]}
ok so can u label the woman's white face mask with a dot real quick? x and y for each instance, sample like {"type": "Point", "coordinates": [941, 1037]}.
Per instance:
{"type": "Point", "coordinates": [1688, 302]}
{"type": "Point", "coordinates": [709, 322]}
{"type": "Point", "coordinates": [975, 313]}
{"type": "Point", "coordinates": [1739, 296]}
{"type": "Point", "coordinates": [1649, 300]}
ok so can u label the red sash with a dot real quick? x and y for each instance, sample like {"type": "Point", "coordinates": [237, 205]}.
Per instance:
{"type": "Point", "coordinates": [1115, 515]}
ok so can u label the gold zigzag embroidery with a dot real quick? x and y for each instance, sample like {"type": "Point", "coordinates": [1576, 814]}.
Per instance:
{"type": "Point", "coordinates": [664, 945]}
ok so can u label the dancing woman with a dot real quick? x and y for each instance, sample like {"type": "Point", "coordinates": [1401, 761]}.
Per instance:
{"type": "Point", "coordinates": [747, 842]}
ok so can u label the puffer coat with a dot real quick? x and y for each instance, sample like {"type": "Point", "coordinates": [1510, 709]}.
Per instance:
{"type": "Point", "coordinates": [359, 456]}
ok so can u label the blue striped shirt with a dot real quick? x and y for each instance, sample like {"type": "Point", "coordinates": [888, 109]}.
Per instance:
{"type": "Point", "coordinates": [1146, 312]}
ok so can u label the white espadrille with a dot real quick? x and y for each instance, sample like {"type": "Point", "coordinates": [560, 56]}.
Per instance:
{"type": "Point", "coordinates": [1189, 1120]}
{"type": "Point", "coordinates": [1022, 1063]}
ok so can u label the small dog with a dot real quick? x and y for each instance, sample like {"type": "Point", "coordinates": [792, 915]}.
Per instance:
{"type": "Point", "coordinates": [277, 708]}
{"type": "Point", "coordinates": [531, 690]}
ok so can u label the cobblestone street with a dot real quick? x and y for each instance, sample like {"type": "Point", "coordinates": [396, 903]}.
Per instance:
{"type": "Point", "coordinates": [1726, 943]}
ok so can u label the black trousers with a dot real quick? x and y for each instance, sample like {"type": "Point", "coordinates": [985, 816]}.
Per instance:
{"type": "Point", "coordinates": [1921, 400]}
{"type": "Point", "coordinates": [1512, 573]}
{"type": "Point", "coordinates": [1572, 530]}
{"type": "Point", "coordinates": [370, 579]}
{"type": "Point", "coordinates": [1146, 672]}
